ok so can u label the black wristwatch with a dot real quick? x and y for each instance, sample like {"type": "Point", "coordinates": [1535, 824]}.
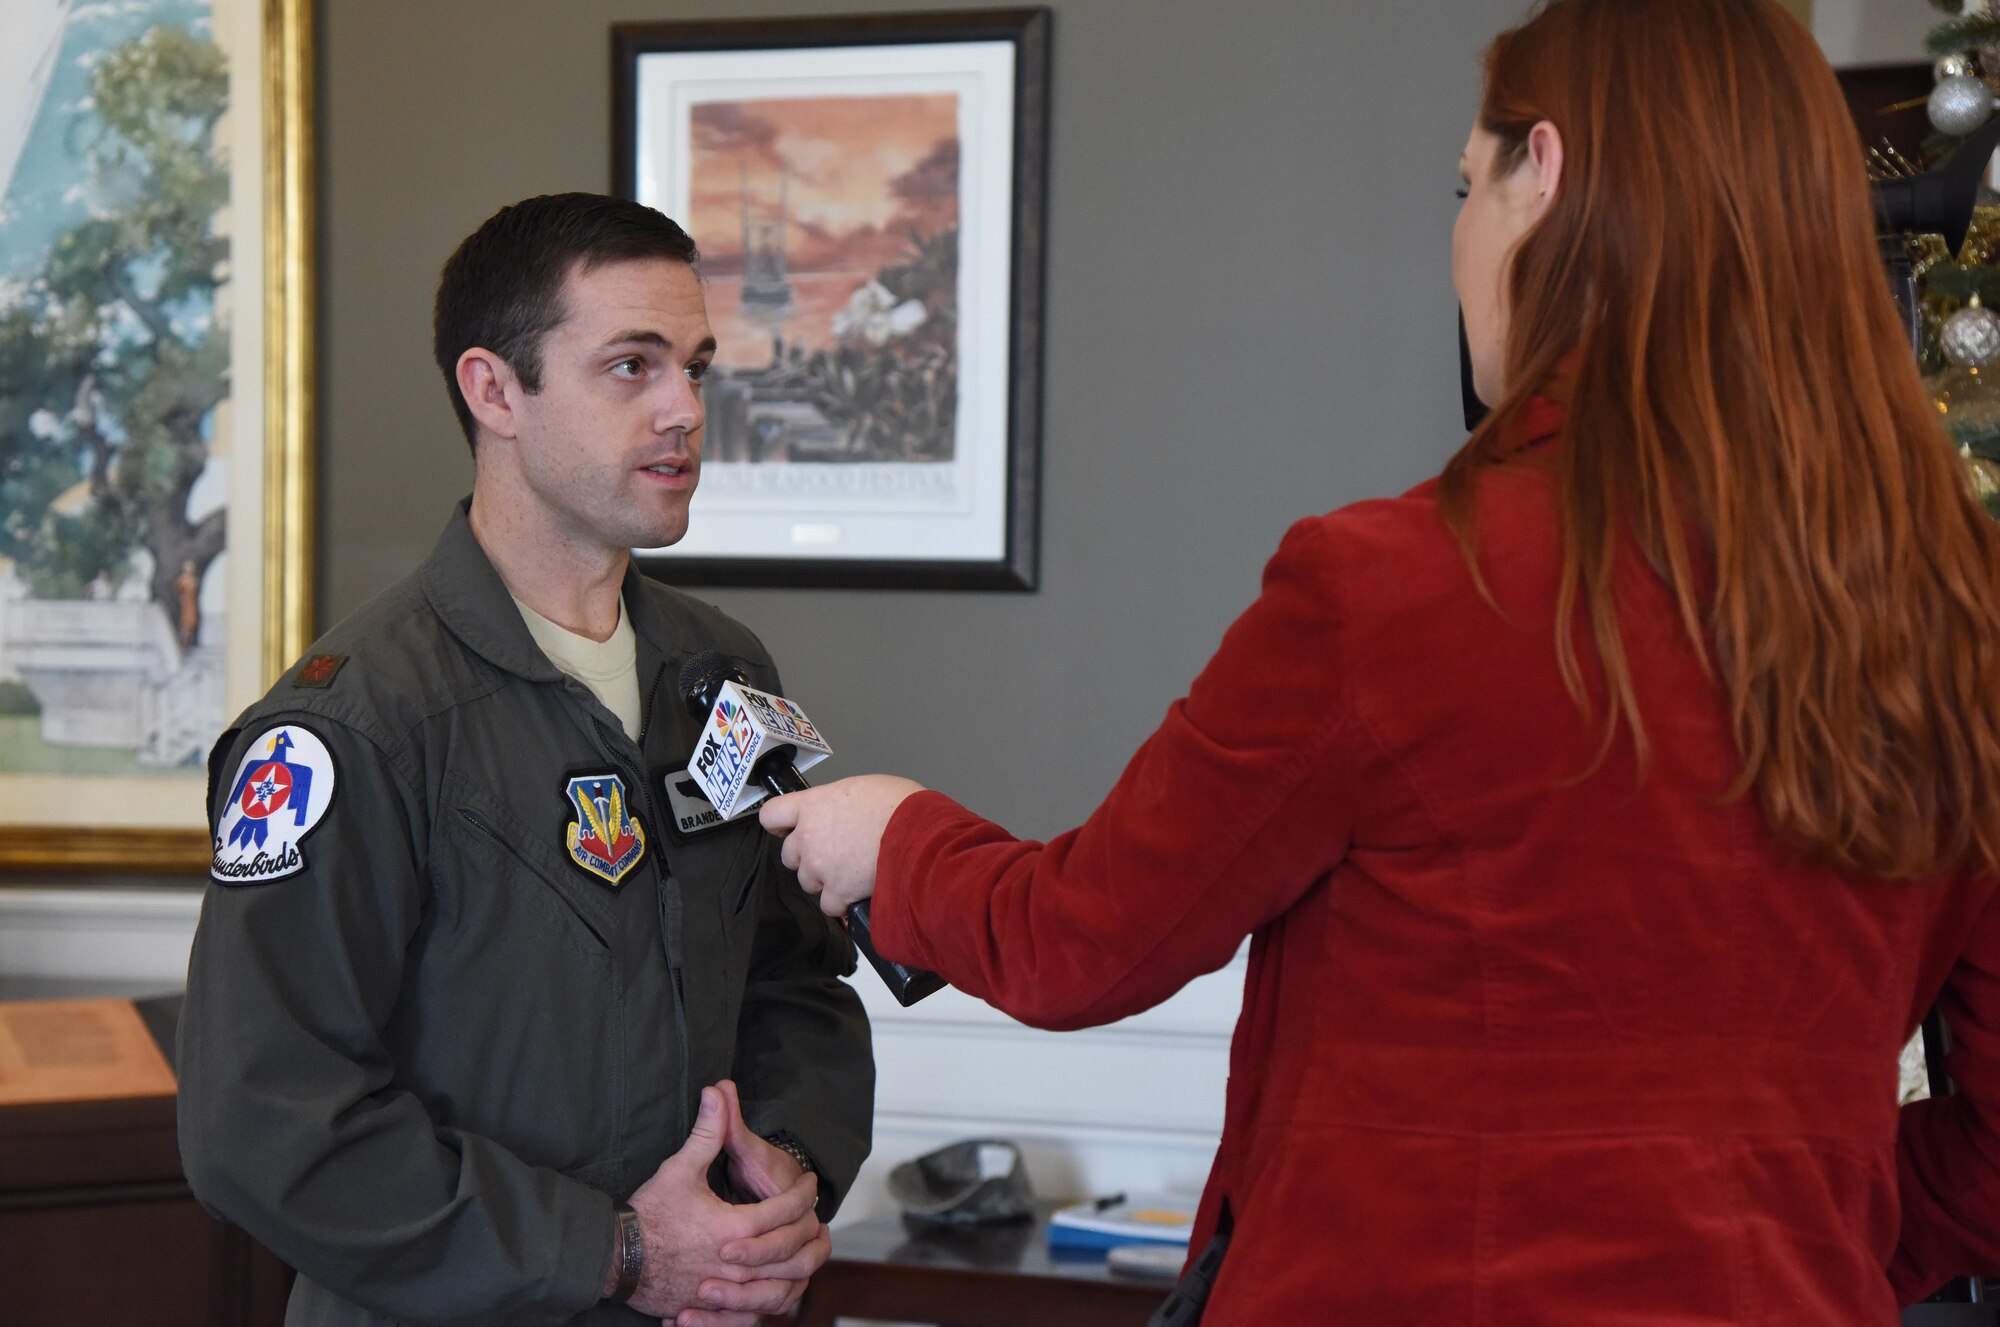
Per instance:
{"type": "Point", "coordinates": [631, 1254]}
{"type": "Point", "coordinates": [794, 1149]}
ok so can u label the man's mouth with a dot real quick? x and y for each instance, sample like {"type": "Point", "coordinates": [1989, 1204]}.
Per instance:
{"type": "Point", "coordinates": [669, 468]}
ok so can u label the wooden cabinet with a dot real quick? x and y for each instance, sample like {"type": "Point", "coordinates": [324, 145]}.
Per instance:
{"type": "Point", "coordinates": [97, 1224]}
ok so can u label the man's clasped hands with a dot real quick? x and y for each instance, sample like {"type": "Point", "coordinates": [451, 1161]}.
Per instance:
{"type": "Point", "coordinates": [711, 1263]}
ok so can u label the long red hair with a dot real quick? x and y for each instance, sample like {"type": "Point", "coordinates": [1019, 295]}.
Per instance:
{"type": "Point", "coordinates": [1742, 403]}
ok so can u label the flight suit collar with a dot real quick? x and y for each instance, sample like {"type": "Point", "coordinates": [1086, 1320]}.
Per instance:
{"type": "Point", "coordinates": [473, 602]}
{"type": "Point", "coordinates": [652, 623]}
{"type": "Point", "coordinates": [663, 629]}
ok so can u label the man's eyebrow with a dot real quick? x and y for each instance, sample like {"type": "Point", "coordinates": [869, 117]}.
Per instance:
{"type": "Point", "coordinates": [646, 338]}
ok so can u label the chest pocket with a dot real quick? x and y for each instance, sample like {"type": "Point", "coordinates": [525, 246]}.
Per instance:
{"type": "Point", "coordinates": [719, 870]}
{"type": "Point", "coordinates": [529, 869]}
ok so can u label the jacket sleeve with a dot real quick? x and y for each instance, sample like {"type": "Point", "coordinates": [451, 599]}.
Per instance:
{"type": "Point", "coordinates": [804, 1060]}
{"type": "Point", "coordinates": [1231, 810]}
{"type": "Point", "coordinates": [1948, 1148]}
{"type": "Point", "coordinates": [291, 1124]}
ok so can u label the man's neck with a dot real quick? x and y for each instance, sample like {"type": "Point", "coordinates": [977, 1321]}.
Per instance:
{"type": "Point", "coordinates": [573, 585]}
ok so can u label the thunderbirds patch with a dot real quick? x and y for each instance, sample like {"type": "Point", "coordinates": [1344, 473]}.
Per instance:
{"type": "Point", "coordinates": [605, 838]}
{"type": "Point", "coordinates": [282, 790]}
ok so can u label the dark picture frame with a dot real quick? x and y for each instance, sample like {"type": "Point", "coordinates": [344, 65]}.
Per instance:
{"type": "Point", "coordinates": [870, 195]}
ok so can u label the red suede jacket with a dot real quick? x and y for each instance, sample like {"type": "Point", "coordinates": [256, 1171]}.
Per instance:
{"type": "Point", "coordinates": [1517, 1046]}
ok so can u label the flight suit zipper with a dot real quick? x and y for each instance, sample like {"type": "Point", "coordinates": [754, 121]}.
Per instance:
{"type": "Point", "coordinates": [686, 1097]}
{"type": "Point", "coordinates": [647, 709]}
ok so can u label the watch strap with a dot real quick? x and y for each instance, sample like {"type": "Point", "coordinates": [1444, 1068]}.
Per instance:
{"type": "Point", "coordinates": [793, 1148]}
{"type": "Point", "coordinates": [631, 1253]}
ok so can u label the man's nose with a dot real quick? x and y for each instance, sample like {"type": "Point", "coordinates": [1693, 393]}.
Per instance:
{"type": "Point", "coordinates": [680, 407]}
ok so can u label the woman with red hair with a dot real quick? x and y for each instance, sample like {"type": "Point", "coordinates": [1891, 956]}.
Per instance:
{"type": "Point", "coordinates": [1605, 813]}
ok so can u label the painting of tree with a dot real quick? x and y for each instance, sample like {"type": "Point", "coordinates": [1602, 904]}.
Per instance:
{"type": "Point", "coordinates": [111, 360]}
{"type": "Point", "coordinates": [155, 385]}
{"type": "Point", "coordinates": [114, 390]}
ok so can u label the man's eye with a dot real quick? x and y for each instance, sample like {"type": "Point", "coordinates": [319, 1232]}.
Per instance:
{"type": "Point", "coordinates": [1463, 191]}
{"type": "Point", "coordinates": [697, 370]}
{"type": "Point", "coordinates": [629, 368]}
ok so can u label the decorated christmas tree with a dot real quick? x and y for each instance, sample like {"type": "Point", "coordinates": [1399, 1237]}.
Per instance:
{"type": "Point", "coordinates": [1959, 293]}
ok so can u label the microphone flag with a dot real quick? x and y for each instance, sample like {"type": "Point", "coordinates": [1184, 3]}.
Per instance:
{"type": "Point", "coordinates": [744, 727]}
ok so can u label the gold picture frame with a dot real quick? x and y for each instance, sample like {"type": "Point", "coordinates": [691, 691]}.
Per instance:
{"type": "Point", "coordinates": [268, 47]}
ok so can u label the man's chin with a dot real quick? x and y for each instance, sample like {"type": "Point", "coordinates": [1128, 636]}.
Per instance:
{"type": "Point", "coordinates": [654, 538]}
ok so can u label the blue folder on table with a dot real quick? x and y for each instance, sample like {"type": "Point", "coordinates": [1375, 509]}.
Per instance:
{"type": "Point", "coordinates": [1144, 1218]}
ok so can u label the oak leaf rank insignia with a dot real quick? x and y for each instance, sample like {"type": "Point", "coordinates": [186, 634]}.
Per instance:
{"type": "Point", "coordinates": [318, 671]}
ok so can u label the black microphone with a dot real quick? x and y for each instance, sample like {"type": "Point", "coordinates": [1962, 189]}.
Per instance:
{"type": "Point", "coordinates": [777, 772]}
{"type": "Point", "coordinates": [1468, 397]}
{"type": "Point", "coordinates": [1939, 200]}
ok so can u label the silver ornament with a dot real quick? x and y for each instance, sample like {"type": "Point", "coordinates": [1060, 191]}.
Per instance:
{"type": "Point", "coordinates": [1970, 338]}
{"type": "Point", "coordinates": [1954, 66]}
{"type": "Point", "coordinates": [1960, 105]}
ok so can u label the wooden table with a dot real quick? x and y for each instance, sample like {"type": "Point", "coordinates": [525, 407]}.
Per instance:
{"type": "Point", "coordinates": [975, 1276]}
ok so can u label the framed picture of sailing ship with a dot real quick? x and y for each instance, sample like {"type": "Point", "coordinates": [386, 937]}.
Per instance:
{"type": "Point", "coordinates": [867, 195]}
{"type": "Point", "coordinates": [154, 388]}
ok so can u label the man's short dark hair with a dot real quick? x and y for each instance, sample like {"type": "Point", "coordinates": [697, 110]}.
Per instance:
{"type": "Point", "coordinates": [503, 289]}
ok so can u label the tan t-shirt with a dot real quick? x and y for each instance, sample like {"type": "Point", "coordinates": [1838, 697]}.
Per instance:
{"type": "Point", "coordinates": [610, 668]}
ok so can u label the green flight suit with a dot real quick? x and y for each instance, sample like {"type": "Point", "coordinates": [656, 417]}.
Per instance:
{"type": "Point", "coordinates": [429, 1036]}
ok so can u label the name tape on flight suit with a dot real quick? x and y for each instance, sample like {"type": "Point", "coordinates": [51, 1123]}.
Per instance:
{"type": "Point", "coordinates": [693, 812]}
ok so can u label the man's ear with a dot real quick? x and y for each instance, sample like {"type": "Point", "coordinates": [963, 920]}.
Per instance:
{"type": "Point", "coordinates": [1545, 151]}
{"type": "Point", "coordinates": [488, 385]}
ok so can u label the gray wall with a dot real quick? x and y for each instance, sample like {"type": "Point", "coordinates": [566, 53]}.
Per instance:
{"type": "Point", "coordinates": [1250, 319]}
{"type": "Point", "coordinates": [1861, 32]}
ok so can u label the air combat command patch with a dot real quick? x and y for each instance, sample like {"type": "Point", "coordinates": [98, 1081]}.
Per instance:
{"type": "Point", "coordinates": [282, 789]}
{"type": "Point", "coordinates": [605, 838]}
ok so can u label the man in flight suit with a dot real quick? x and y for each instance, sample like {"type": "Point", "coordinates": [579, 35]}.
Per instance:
{"type": "Point", "coordinates": [476, 1031]}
